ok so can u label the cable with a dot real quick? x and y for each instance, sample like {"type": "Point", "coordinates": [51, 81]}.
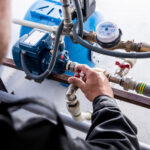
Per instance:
{"type": "Point", "coordinates": [77, 38]}
{"type": "Point", "coordinates": [51, 65]}
{"type": "Point", "coordinates": [107, 52]}
{"type": "Point", "coordinates": [79, 17]}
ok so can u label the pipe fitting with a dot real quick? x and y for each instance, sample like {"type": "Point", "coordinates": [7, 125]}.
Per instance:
{"type": "Point", "coordinates": [125, 70]}
{"type": "Point", "coordinates": [102, 71]}
{"type": "Point", "coordinates": [77, 114]}
{"type": "Point", "coordinates": [67, 16]}
{"type": "Point", "coordinates": [132, 46]}
{"type": "Point", "coordinates": [90, 37]}
{"type": "Point", "coordinates": [144, 47]}
{"type": "Point", "coordinates": [129, 84]}
{"type": "Point", "coordinates": [71, 66]}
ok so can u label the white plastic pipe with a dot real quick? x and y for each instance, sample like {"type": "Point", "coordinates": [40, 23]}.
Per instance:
{"type": "Point", "coordinates": [73, 105]}
{"type": "Point", "coordinates": [76, 113]}
{"type": "Point", "coordinates": [35, 25]}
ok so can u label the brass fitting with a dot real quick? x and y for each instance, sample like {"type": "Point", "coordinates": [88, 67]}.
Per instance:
{"type": "Point", "coordinates": [102, 70]}
{"type": "Point", "coordinates": [67, 16]}
{"type": "Point", "coordinates": [128, 45]}
{"type": "Point", "coordinates": [132, 46]}
{"type": "Point", "coordinates": [144, 47]}
{"type": "Point", "coordinates": [90, 37]}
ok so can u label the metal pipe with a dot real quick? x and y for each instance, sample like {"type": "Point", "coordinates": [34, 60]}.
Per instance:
{"type": "Point", "coordinates": [82, 127]}
{"type": "Point", "coordinates": [67, 15]}
{"type": "Point", "coordinates": [132, 46]}
{"type": "Point", "coordinates": [119, 94]}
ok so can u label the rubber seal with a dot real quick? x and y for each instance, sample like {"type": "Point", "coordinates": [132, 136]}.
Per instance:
{"type": "Point", "coordinates": [112, 44]}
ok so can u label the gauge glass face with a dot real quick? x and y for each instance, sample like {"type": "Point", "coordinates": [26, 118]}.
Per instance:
{"type": "Point", "coordinates": [107, 30]}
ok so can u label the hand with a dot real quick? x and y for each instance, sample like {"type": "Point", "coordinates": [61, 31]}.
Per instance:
{"type": "Point", "coordinates": [94, 84]}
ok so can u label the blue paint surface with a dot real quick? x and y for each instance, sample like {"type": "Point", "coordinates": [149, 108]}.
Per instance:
{"type": "Point", "coordinates": [49, 12]}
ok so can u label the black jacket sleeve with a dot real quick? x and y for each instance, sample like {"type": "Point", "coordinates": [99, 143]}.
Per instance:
{"type": "Point", "coordinates": [110, 129]}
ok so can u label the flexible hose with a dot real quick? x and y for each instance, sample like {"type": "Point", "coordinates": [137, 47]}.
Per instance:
{"type": "Point", "coordinates": [79, 17]}
{"type": "Point", "coordinates": [51, 65]}
{"type": "Point", "coordinates": [107, 52]}
{"type": "Point", "coordinates": [77, 38]}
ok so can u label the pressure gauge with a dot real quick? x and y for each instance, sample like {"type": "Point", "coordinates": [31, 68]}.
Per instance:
{"type": "Point", "coordinates": [108, 34]}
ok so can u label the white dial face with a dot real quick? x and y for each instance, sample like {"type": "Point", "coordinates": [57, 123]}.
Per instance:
{"type": "Point", "coordinates": [107, 32]}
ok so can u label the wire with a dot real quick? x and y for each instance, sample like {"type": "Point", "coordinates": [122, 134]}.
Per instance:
{"type": "Point", "coordinates": [51, 65]}
{"type": "Point", "coordinates": [107, 52]}
{"type": "Point", "coordinates": [78, 39]}
{"type": "Point", "coordinates": [79, 17]}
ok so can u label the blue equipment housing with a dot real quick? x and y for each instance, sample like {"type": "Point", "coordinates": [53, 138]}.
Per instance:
{"type": "Point", "coordinates": [49, 12]}
{"type": "Point", "coordinates": [38, 47]}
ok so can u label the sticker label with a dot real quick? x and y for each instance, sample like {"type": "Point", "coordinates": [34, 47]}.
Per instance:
{"type": "Point", "coordinates": [34, 38]}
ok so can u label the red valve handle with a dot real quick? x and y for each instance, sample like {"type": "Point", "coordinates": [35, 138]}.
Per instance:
{"type": "Point", "coordinates": [122, 66]}
{"type": "Point", "coordinates": [77, 74]}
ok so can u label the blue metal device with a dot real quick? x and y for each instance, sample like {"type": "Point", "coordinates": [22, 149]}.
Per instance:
{"type": "Point", "coordinates": [39, 48]}
{"type": "Point", "coordinates": [49, 12]}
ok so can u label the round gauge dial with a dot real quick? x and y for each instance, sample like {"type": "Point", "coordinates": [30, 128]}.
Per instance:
{"type": "Point", "coordinates": [107, 32]}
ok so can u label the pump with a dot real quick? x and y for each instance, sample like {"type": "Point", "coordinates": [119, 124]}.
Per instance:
{"type": "Point", "coordinates": [50, 13]}
{"type": "Point", "coordinates": [37, 46]}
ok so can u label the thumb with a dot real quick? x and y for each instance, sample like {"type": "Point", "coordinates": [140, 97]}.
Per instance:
{"type": "Point", "coordinates": [77, 82]}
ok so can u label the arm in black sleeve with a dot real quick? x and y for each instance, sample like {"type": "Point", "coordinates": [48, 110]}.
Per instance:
{"type": "Point", "coordinates": [110, 128]}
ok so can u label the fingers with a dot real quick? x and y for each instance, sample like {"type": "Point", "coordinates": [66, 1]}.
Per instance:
{"type": "Point", "coordinates": [77, 82]}
{"type": "Point", "coordinates": [84, 68]}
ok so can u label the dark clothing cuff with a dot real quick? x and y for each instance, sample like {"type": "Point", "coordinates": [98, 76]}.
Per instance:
{"type": "Point", "coordinates": [103, 101]}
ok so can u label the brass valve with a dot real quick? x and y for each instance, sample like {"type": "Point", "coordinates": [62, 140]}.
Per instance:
{"type": "Point", "coordinates": [90, 37]}
{"type": "Point", "coordinates": [132, 46]}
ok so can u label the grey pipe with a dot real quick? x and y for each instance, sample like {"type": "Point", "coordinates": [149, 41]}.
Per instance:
{"type": "Point", "coordinates": [143, 88]}
{"type": "Point", "coordinates": [67, 15]}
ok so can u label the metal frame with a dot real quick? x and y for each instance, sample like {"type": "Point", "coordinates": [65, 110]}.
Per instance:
{"type": "Point", "coordinates": [119, 94]}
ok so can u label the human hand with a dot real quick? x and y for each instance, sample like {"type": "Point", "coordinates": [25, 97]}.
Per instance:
{"type": "Point", "coordinates": [93, 84]}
